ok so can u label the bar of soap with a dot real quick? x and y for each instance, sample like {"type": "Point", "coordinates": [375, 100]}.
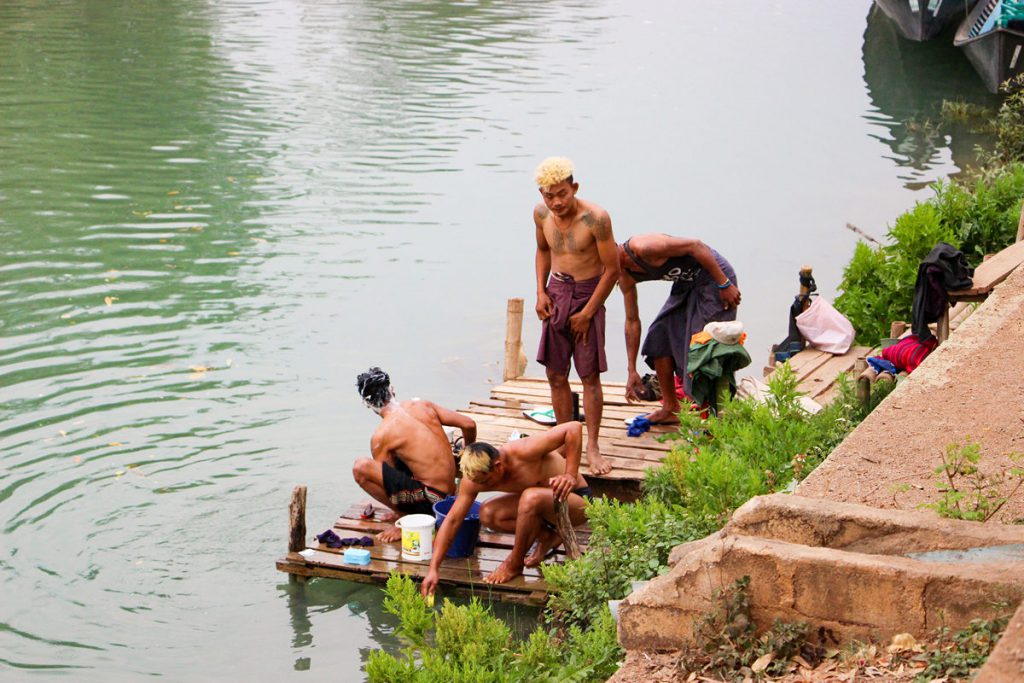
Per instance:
{"type": "Point", "coordinates": [356, 556]}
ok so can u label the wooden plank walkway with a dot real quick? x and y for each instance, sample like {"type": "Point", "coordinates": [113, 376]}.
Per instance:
{"type": "Point", "coordinates": [817, 371]}
{"type": "Point", "coordinates": [502, 414]}
{"type": "Point", "coordinates": [464, 575]}
{"type": "Point", "coordinates": [987, 276]}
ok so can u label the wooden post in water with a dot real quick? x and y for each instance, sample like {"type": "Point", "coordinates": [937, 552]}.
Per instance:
{"type": "Point", "coordinates": [297, 520]}
{"type": "Point", "coordinates": [565, 530]}
{"type": "Point", "coordinates": [515, 359]}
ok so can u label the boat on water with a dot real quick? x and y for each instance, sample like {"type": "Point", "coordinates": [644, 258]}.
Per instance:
{"type": "Point", "coordinates": [992, 36]}
{"type": "Point", "coordinates": [924, 19]}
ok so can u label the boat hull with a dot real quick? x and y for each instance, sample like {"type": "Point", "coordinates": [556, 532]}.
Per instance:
{"type": "Point", "coordinates": [928, 20]}
{"type": "Point", "coordinates": [997, 55]}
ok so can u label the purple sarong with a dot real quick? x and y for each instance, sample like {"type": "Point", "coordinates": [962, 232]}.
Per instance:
{"type": "Point", "coordinates": [690, 306]}
{"type": "Point", "coordinates": [557, 345]}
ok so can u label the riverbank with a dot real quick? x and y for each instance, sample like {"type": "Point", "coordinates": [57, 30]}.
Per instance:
{"type": "Point", "coordinates": [968, 390]}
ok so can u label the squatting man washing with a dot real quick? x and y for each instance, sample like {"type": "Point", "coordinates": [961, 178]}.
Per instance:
{"type": "Point", "coordinates": [412, 465]}
{"type": "Point", "coordinates": [532, 473]}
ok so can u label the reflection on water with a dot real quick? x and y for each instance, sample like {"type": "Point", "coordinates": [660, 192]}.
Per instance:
{"type": "Point", "coordinates": [213, 215]}
{"type": "Point", "coordinates": [907, 82]}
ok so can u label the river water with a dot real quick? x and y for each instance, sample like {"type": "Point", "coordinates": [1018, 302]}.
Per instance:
{"type": "Point", "coordinates": [213, 215]}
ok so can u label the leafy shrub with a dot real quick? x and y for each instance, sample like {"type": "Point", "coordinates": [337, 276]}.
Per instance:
{"type": "Point", "coordinates": [748, 449]}
{"type": "Point", "coordinates": [629, 542]}
{"type": "Point", "coordinates": [729, 648]}
{"type": "Point", "coordinates": [878, 283]}
{"type": "Point", "coordinates": [471, 645]}
{"type": "Point", "coordinates": [978, 215]}
{"type": "Point", "coordinates": [958, 658]}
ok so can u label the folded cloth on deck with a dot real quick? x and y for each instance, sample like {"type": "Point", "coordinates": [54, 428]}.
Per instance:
{"type": "Point", "coordinates": [332, 540]}
{"type": "Point", "coordinates": [879, 364]}
{"type": "Point", "coordinates": [638, 426]}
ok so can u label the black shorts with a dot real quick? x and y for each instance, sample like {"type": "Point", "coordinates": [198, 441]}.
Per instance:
{"type": "Point", "coordinates": [409, 495]}
{"type": "Point", "coordinates": [584, 492]}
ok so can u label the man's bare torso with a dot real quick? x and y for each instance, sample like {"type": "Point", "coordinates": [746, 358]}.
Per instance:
{"type": "Point", "coordinates": [521, 474]}
{"type": "Point", "coordinates": [413, 432]}
{"type": "Point", "coordinates": [573, 245]}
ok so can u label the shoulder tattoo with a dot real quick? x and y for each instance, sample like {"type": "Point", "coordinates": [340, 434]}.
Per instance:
{"type": "Point", "coordinates": [542, 211]}
{"type": "Point", "coordinates": [602, 227]}
{"type": "Point", "coordinates": [588, 220]}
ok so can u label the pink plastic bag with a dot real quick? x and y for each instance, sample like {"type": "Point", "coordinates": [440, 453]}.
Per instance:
{"type": "Point", "coordinates": [825, 328]}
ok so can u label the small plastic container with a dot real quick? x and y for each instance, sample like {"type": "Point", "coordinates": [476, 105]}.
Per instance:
{"type": "Point", "coordinates": [465, 540]}
{"type": "Point", "coordinates": [359, 556]}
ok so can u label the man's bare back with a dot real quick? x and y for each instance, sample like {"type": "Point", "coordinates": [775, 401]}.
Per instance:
{"type": "Point", "coordinates": [412, 466]}
{"type": "Point", "coordinates": [412, 432]}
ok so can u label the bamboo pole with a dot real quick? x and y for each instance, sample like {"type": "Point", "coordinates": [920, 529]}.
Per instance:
{"type": "Point", "coordinates": [565, 530]}
{"type": "Point", "coordinates": [514, 356]}
{"type": "Point", "coordinates": [297, 520]}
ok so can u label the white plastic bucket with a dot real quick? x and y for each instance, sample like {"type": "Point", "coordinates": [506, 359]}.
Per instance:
{"type": "Point", "coordinates": [417, 537]}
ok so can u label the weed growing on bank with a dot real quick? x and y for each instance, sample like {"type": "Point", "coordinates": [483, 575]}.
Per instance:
{"type": "Point", "coordinates": [966, 491]}
{"type": "Point", "coordinates": [958, 656]}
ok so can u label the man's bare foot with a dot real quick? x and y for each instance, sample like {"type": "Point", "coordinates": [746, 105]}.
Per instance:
{"type": "Point", "coordinates": [390, 535]}
{"type": "Point", "coordinates": [546, 540]}
{"type": "Point", "coordinates": [596, 462]}
{"type": "Point", "coordinates": [662, 416]}
{"type": "Point", "coordinates": [506, 571]}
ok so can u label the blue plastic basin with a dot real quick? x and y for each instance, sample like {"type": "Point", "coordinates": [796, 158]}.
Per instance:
{"type": "Point", "coordinates": [465, 540]}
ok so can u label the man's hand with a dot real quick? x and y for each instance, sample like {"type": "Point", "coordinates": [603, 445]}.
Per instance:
{"type": "Point", "coordinates": [579, 325]}
{"type": "Point", "coordinates": [562, 485]}
{"type": "Point", "coordinates": [545, 309]}
{"type": "Point", "coordinates": [634, 385]}
{"type": "Point", "coordinates": [730, 297]}
{"type": "Point", "coordinates": [429, 583]}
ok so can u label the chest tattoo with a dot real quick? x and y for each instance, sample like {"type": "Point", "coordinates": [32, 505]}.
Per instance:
{"type": "Point", "coordinates": [564, 241]}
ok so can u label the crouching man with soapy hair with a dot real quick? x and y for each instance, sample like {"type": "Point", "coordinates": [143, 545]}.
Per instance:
{"type": "Point", "coordinates": [532, 475]}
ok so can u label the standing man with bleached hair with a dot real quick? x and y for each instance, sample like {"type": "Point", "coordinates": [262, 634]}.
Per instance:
{"type": "Point", "coordinates": [577, 267]}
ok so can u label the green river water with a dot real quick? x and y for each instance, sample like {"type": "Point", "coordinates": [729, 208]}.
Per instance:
{"type": "Point", "coordinates": [213, 215]}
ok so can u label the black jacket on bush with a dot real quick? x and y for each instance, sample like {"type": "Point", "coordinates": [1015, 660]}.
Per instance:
{"type": "Point", "coordinates": [945, 268]}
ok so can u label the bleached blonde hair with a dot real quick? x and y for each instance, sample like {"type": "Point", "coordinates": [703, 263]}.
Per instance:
{"type": "Point", "coordinates": [552, 171]}
{"type": "Point", "coordinates": [477, 459]}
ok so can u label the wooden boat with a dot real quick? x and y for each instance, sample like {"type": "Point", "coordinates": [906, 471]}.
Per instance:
{"type": "Point", "coordinates": [993, 43]}
{"type": "Point", "coordinates": [924, 19]}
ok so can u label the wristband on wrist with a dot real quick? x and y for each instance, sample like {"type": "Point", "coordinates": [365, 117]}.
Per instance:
{"type": "Point", "coordinates": [725, 285]}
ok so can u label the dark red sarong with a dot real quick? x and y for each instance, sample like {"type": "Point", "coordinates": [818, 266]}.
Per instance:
{"type": "Point", "coordinates": [557, 346]}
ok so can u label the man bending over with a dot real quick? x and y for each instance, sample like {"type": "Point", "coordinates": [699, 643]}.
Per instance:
{"type": "Point", "coordinates": [532, 474]}
{"type": "Point", "coordinates": [412, 466]}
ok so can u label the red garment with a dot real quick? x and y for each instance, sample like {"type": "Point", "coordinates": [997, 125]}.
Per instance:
{"type": "Point", "coordinates": [907, 353]}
